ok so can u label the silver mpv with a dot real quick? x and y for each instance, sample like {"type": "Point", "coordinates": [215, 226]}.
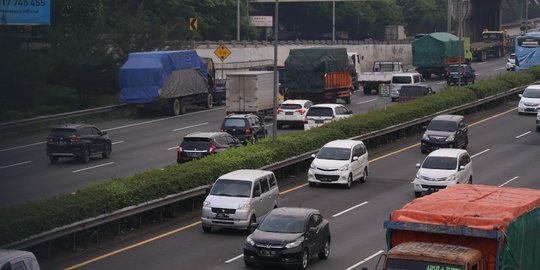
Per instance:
{"type": "Point", "coordinates": [240, 199]}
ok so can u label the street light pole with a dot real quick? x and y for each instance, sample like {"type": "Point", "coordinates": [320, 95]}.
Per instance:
{"type": "Point", "coordinates": [333, 21]}
{"type": "Point", "coordinates": [276, 78]}
{"type": "Point", "coordinates": [238, 20]}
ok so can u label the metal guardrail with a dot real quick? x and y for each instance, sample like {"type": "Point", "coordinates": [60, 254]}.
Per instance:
{"type": "Point", "coordinates": [137, 209]}
{"type": "Point", "coordinates": [257, 43]}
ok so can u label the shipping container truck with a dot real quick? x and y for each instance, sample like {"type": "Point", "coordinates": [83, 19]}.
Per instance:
{"type": "Point", "coordinates": [494, 43]}
{"type": "Point", "coordinates": [250, 92]}
{"type": "Point", "coordinates": [434, 52]}
{"type": "Point", "coordinates": [166, 79]}
{"type": "Point", "coordinates": [319, 75]}
{"type": "Point", "coordinates": [381, 73]}
{"type": "Point", "coordinates": [468, 227]}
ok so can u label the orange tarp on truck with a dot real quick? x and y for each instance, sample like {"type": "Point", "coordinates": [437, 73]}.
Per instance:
{"type": "Point", "coordinates": [475, 206]}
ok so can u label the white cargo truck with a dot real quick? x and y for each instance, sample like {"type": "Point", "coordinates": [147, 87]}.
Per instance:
{"type": "Point", "coordinates": [250, 92]}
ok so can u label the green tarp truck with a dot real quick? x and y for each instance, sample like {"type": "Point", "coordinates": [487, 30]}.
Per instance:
{"type": "Point", "coordinates": [433, 52]}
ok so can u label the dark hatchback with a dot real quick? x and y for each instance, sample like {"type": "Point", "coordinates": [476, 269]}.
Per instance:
{"type": "Point", "coordinates": [463, 74]}
{"type": "Point", "coordinates": [414, 91]}
{"type": "Point", "coordinates": [200, 144]}
{"type": "Point", "coordinates": [288, 237]}
{"type": "Point", "coordinates": [244, 127]}
{"type": "Point", "coordinates": [78, 141]}
{"type": "Point", "coordinates": [445, 131]}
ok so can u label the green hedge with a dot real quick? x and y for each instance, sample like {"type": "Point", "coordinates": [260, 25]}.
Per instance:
{"type": "Point", "coordinates": [35, 217]}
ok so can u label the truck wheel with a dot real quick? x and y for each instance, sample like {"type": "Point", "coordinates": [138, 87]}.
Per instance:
{"type": "Point", "coordinates": [417, 194]}
{"type": "Point", "coordinates": [209, 102]}
{"type": "Point", "coordinates": [348, 100]}
{"type": "Point", "coordinates": [183, 108]}
{"type": "Point", "coordinates": [174, 107]}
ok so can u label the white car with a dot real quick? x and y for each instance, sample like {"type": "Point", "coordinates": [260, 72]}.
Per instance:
{"type": "Point", "coordinates": [339, 162]}
{"type": "Point", "coordinates": [321, 114]}
{"type": "Point", "coordinates": [292, 112]}
{"type": "Point", "coordinates": [511, 62]}
{"type": "Point", "coordinates": [442, 168]}
{"type": "Point", "coordinates": [530, 99]}
{"type": "Point", "coordinates": [538, 119]}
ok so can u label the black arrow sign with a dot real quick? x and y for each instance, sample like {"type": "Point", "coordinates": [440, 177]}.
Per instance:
{"type": "Point", "coordinates": [193, 24]}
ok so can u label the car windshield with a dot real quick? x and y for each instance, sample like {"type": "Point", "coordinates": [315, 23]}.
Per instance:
{"type": "Point", "coordinates": [231, 188]}
{"type": "Point", "coordinates": [320, 111]}
{"type": "Point", "coordinates": [441, 125]}
{"type": "Point", "coordinates": [62, 132]}
{"type": "Point", "coordinates": [401, 79]}
{"type": "Point", "coordinates": [455, 68]}
{"type": "Point", "coordinates": [196, 143]}
{"type": "Point", "coordinates": [440, 163]}
{"type": "Point", "coordinates": [282, 224]}
{"type": "Point", "coordinates": [234, 122]}
{"type": "Point", "coordinates": [531, 93]}
{"type": "Point", "coordinates": [290, 106]}
{"type": "Point", "coordinates": [334, 153]}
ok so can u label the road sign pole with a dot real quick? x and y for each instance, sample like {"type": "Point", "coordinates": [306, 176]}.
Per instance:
{"type": "Point", "coordinates": [274, 118]}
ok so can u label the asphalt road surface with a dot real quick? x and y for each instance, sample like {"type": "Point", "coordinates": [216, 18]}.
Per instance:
{"type": "Point", "coordinates": [139, 144]}
{"type": "Point", "coordinates": [503, 146]}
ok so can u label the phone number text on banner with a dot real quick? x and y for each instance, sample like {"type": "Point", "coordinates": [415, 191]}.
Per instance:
{"type": "Point", "coordinates": [25, 12]}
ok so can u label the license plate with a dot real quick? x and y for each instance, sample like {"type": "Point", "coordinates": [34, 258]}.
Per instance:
{"type": "Point", "coordinates": [319, 121]}
{"type": "Point", "coordinates": [222, 215]}
{"type": "Point", "coordinates": [268, 252]}
{"type": "Point", "coordinates": [288, 113]}
{"type": "Point", "coordinates": [61, 143]}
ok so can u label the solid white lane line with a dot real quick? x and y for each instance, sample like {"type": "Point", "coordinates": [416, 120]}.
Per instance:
{"type": "Point", "coordinates": [441, 82]}
{"type": "Point", "coordinates": [22, 146]}
{"type": "Point", "coordinates": [364, 102]}
{"type": "Point", "coordinates": [477, 74]}
{"type": "Point", "coordinates": [519, 136]}
{"type": "Point", "coordinates": [93, 167]}
{"type": "Point", "coordinates": [162, 119]}
{"type": "Point", "coordinates": [505, 183]}
{"type": "Point", "coordinates": [366, 259]}
{"type": "Point", "coordinates": [197, 125]}
{"type": "Point", "coordinates": [16, 164]}
{"type": "Point", "coordinates": [497, 69]}
{"type": "Point", "coordinates": [117, 142]}
{"type": "Point", "coordinates": [481, 63]}
{"type": "Point", "coordinates": [477, 154]}
{"type": "Point", "coordinates": [235, 258]}
{"type": "Point", "coordinates": [347, 210]}
{"type": "Point", "coordinates": [268, 125]}
{"type": "Point", "coordinates": [169, 149]}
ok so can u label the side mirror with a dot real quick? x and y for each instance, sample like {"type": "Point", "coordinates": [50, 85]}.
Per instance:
{"type": "Point", "coordinates": [312, 230]}
{"type": "Point", "coordinates": [355, 158]}
{"type": "Point", "coordinates": [104, 133]}
{"type": "Point", "coordinates": [313, 155]}
{"type": "Point", "coordinates": [520, 95]}
{"type": "Point", "coordinates": [418, 165]}
{"type": "Point", "coordinates": [424, 127]}
{"type": "Point", "coordinates": [461, 168]}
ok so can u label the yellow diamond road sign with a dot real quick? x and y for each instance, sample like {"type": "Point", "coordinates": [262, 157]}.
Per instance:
{"type": "Point", "coordinates": [222, 52]}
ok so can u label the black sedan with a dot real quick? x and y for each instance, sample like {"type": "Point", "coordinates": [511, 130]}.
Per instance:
{"type": "Point", "coordinates": [288, 237]}
{"type": "Point", "coordinates": [199, 144]}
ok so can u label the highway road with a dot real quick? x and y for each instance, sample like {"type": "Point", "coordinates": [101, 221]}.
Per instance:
{"type": "Point", "coordinates": [503, 146]}
{"type": "Point", "coordinates": [139, 144]}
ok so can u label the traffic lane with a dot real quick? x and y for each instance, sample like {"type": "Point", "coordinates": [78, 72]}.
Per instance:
{"type": "Point", "coordinates": [312, 197]}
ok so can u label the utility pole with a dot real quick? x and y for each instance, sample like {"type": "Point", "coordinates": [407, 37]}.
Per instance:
{"type": "Point", "coordinates": [333, 22]}
{"type": "Point", "coordinates": [276, 77]}
{"type": "Point", "coordinates": [449, 17]}
{"type": "Point", "coordinates": [462, 8]}
{"type": "Point", "coordinates": [238, 20]}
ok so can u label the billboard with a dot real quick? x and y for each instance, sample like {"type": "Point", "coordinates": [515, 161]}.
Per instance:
{"type": "Point", "coordinates": [25, 12]}
{"type": "Point", "coordinates": [258, 21]}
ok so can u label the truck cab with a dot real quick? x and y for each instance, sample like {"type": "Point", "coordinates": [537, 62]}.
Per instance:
{"type": "Point", "coordinates": [421, 255]}
{"type": "Point", "coordinates": [354, 68]}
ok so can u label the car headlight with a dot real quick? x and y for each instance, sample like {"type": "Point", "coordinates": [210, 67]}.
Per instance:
{"type": "Point", "coordinates": [313, 167]}
{"type": "Point", "coordinates": [344, 168]}
{"type": "Point", "coordinates": [451, 178]}
{"type": "Point", "coordinates": [425, 137]}
{"type": "Point", "coordinates": [206, 204]}
{"type": "Point", "coordinates": [450, 138]}
{"type": "Point", "coordinates": [250, 241]}
{"type": "Point", "coordinates": [244, 206]}
{"type": "Point", "coordinates": [294, 244]}
{"type": "Point", "coordinates": [521, 102]}
{"type": "Point", "coordinates": [418, 176]}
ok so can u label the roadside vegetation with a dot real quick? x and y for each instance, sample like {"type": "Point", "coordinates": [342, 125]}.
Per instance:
{"type": "Point", "coordinates": [28, 219]}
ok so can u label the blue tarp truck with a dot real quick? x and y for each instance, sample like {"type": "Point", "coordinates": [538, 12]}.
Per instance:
{"type": "Point", "coordinates": [166, 79]}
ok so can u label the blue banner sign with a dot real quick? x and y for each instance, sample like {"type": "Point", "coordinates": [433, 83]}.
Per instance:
{"type": "Point", "coordinates": [25, 12]}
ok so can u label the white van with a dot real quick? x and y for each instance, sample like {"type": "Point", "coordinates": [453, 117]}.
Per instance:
{"type": "Point", "coordinates": [18, 259]}
{"type": "Point", "coordinates": [401, 79]}
{"type": "Point", "coordinates": [240, 199]}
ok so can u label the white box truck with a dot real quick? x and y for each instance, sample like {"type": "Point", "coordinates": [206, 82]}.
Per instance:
{"type": "Point", "coordinates": [250, 92]}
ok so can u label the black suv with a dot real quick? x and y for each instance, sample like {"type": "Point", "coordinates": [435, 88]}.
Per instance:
{"type": "Point", "coordinates": [454, 73]}
{"type": "Point", "coordinates": [445, 131]}
{"type": "Point", "coordinates": [244, 127]}
{"type": "Point", "coordinates": [199, 144]}
{"type": "Point", "coordinates": [78, 141]}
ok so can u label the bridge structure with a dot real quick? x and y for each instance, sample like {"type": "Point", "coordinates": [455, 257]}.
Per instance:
{"type": "Point", "coordinates": [476, 15]}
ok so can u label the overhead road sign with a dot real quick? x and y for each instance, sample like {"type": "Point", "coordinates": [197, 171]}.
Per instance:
{"type": "Point", "coordinates": [15, 12]}
{"type": "Point", "coordinates": [261, 21]}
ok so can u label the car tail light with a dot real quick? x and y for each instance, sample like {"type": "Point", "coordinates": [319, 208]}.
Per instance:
{"type": "Point", "coordinates": [212, 149]}
{"type": "Point", "coordinates": [221, 130]}
{"type": "Point", "coordinates": [179, 154]}
{"type": "Point", "coordinates": [300, 111]}
{"type": "Point", "coordinates": [279, 110]}
{"type": "Point", "coordinates": [49, 139]}
{"type": "Point", "coordinates": [74, 138]}
{"type": "Point", "coordinates": [248, 131]}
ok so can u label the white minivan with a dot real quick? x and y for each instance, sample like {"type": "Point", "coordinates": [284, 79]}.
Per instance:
{"type": "Point", "coordinates": [321, 114]}
{"type": "Point", "coordinates": [240, 199]}
{"type": "Point", "coordinates": [339, 162]}
{"type": "Point", "coordinates": [401, 79]}
{"type": "Point", "coordinates": [442, 168]}
{"type": "Point", "coordinates": [18, 259]}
